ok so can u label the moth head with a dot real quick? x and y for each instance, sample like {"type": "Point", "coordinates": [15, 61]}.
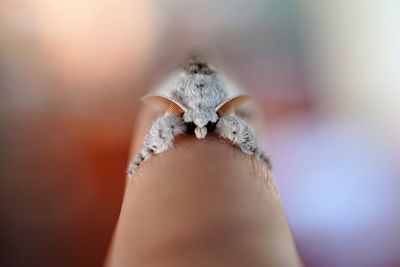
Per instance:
{"type": "Point", "coordinates": [205, 119]}
{"type": "Point", "coordinates": [202, 120]}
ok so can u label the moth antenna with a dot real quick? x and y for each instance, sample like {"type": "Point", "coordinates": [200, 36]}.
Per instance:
{"type": "Point", "coordinates": [230, 104]}
{"type": "Point", "coordinates": [165, 103]}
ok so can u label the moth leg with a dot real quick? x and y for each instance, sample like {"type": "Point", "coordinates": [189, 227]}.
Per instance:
{"type": "Point", "coordinates": [159, 139]}
{"type": "Point", "coordinates": [260, 154]}
{"type": "Point", "coordinates": [241, 135]}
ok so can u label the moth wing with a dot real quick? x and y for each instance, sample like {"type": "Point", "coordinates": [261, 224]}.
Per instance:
{"type": "Point", "coordinates": [230, 104]}
{"type": "Point", "coordinates": [165, 103]}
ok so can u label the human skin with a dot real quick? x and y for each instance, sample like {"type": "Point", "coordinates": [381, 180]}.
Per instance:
{"type": "Point", "coordinates": [202, 203]}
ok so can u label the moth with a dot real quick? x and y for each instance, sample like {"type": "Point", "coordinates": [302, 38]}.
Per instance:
{"type": "Point", "coordinates": [198, 105]}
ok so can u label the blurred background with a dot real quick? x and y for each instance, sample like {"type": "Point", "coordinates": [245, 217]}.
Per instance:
{"type": "Point", "coordinates": [325, 74]}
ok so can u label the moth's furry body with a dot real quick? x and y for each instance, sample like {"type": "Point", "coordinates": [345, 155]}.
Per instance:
{"type": "Point", "coordinates": [199, 104]}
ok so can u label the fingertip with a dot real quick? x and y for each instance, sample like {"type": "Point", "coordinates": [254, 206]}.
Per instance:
{"type": "Point", "coordinates": [189, 197]}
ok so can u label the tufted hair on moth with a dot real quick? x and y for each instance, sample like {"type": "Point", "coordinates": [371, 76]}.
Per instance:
{"type": "Point", "coordinates": [199, 104]}
{"type": "Point", "coordinates": [197, 65]}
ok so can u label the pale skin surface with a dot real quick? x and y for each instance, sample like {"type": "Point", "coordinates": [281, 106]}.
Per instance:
{"type": "Point", "coordinates": [201, 203]}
